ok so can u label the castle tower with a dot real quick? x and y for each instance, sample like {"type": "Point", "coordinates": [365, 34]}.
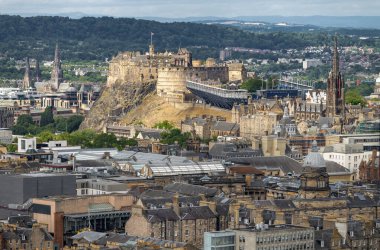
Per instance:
{"type": "Point", "coordinates": [38, 72]}
{"type": "Point", "coordinates": [26, 83]}
{"type": "Point", "coordinates": [56, 73]}
{"type": "Point", "coordinates": [151, 49]}
{"type": "Point", "coordinates": [335, 89]}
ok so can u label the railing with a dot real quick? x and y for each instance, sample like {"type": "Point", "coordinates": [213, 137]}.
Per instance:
{"type": "Point", "coordinates": [226, 93]}
{"type": "Point", "coordinates": [297, 82]}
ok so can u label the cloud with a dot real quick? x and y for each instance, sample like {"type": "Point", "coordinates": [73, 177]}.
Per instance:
{"type": "Point", "coordinates": [186, 8]}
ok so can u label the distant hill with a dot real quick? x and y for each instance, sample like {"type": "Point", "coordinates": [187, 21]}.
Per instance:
{"type": "Point", "coordinates": [91, 38]}
{"type": "Point", "coordinates": [362, 22]}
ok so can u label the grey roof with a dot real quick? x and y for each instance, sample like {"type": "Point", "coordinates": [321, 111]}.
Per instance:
{"type": "Point", "coordinates": [94, 163]}
{"type": "Point", "coordinates": [89, 236]}
{"type": "Point", "coordinates": [286, 164]}
{"type": "Point", "coordinates": [284, 204]}
{"type": "Point", "coordinates": [151, 134]}
{"type": "Point", "coordinates": [325, 236]}
{"type": "Point", "coordinates": [160, 214]}
{"type": "Point", "coordinates": [230, 150]}
{"type": "Point", "coordinates": [196, 120]}
{"type": "Point", "coordinates": [360, 200]}
{"type": "Point", "coordinates": [333, 167]}
{"type": "Point", "coordinates": [191, 190]}
{"type": "Point", "coordinates": [225, 126]}
{"type": "Point", "coordinates": [192, 213]}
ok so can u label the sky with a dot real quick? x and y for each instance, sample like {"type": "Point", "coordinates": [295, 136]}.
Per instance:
{"type": "Point", "coordinates": [194, 8]}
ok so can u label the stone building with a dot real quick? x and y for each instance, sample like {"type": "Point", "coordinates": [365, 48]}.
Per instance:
{"type": "Point", "coordinates": [64, 216]}
{"type": "Point", "coordinates": [222, 128]}
{"type": "Point", "coordinates": [176, 223]}
{"type": "Point", "coordinates": [369, 170]}
{"type": "Point", "coordinates": [37, 237]}
{"type": "Point", "coordinates": [314, 177]}
{"type": "Point", "coordinates": [6, 116]}
{"type": "Point", "coordinates": [237, 72]}
{"type": "Point", "coordinates": [258, 124]}
{"type": "Point", "coordinates": [201, 126]}
{"type": "Point", "coordinates": [275, 237]}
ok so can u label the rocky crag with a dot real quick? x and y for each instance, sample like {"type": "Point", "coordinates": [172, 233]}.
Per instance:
{"type": "Point", "coordinates": [115, 101]}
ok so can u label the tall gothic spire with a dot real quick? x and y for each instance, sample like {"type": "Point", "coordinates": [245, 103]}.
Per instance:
{"type": "Point", "coordinates": [56, 73]}
{"type": "Point", "coordinates": [335, 87]}
{"type": "Point", "coordinates": [26, 83]}
{"type": "Point", "coordinates": [335, 58]}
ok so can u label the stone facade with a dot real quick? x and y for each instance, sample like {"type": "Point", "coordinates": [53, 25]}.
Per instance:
{"type": "Point", "coordinates": [237, 72]}
{"type": "Point", "coordinates": [175, 223]}
{"type": "Point", "coordinates": [258, 124]}
{"type": "Point", "coordinates": [6, 116]}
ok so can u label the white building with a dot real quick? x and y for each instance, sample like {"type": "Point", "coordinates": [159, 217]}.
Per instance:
{"type": "Point", "coordinates": [307, 63]}
{"type": "Point", "coordinates": [25, 144]}
{"type": "Point", "coordinates": [348, 155]}
{"type": "Point", "coordinates": [100, 186]}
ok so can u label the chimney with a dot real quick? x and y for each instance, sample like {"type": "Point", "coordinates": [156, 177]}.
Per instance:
{"type": "Point", "coordinates": [248, 180]}
{"type": "Point", "coordinates": [176, 203]}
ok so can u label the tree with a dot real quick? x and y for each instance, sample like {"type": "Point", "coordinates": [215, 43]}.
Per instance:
{"type": "Point", "coordinates": [83, 138]}
{"type": "Point", "coordinates": [47, 116]}
{"type": "Point", "coordinates": [11, 148]}
{"type": "Point", "coordinates": [164, 125]}
{"type": "Point", "coordinates": [353, 97]}
{"type": "Point", "coordinates": [24, 120]}
{"type": "Point", "coordinates": [73, 122]}
{"type": "Point", "coordinates": [253, 84]}
{"type": "Point", "coordinates": [45, 136]}
{"type": "Point", "coordinates": [105, 140]}
{"type": "Point", "coordinates": [175, 136]}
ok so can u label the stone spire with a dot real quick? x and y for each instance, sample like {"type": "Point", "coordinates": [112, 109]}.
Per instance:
{"type": "Point", "coordinates": [56, 73]}
{"type": "Point", "coordinates": [26, 83]}
{"type": "Point", "coordinates": [335, 58]}
{"type": "Point", "coordinates": [335, 88]}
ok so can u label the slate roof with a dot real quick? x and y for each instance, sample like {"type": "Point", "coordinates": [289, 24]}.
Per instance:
{"type": "Point", "coordinates": [225, 126]}
{"type": "Point", "coordinates": [333, 167]}
{"type": "Point", "coordinates": [89, 236]}
{"type": "Point", "coordinates": [230, 150]}
{"type": "Point", "coordinates": [192, 213]}
{"type": "Point", "coordinates": [190, 190]}
{"type": "Point", "coordinates": [151, 134]}
{"type": "Point", "coordinates": [160, 202]}
{"type": "Point", "coordinates": [160, 214]}
{"type": "Point", "coordinates": [286, 164]}
{"type": "Point", "coordinates": [325, 236]}
{"type": "Point", "coordinates": [243, 169]}
{"type": "Point", "coordinates": [360, 200]}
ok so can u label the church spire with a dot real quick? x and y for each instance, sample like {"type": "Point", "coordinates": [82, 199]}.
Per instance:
{"type": "Point", "coordinates": [56, 73]}
{"type": "Point", "coordinates": [335, 58]}
{"type": "Point", "coordinates": [26, 81]}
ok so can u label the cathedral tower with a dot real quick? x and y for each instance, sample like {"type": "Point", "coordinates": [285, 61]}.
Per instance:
{"type": "Point", "coordinates": [56, 73]}
{"type": "Point", "coordinates": [335, 88]}
{"type": "Point", "coordinates": [26, 83]}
